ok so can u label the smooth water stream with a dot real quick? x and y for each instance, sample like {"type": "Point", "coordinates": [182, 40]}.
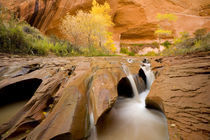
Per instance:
{"type": "Point", "coordinates": [8, 111]}
{"type": "Point", "coordinates": [130, 77]}
{"type": "Point", "coordinates": [129, 119]}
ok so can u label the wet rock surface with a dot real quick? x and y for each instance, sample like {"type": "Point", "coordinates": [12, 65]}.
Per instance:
{"type": "Point", "coordinates": [183, 84]}
{"type": "Point", "coordinates": [72, 88]}
{"type": "Point", "coordinates": [69, 90]}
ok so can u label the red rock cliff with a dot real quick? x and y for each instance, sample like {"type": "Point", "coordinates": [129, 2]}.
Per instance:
{"type": "Point", "coordinates": [134, 19]}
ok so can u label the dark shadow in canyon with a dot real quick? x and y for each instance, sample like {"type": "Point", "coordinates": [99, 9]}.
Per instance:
{"type": "Point", "coordinates": [19, 91]}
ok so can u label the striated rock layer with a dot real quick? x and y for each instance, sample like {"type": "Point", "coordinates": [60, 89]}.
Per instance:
{"type": "Point", "coordinates": [135, 20]}
{"type": "Point", "coordinates": [182, 86]}
{"type": "Point", "coordinates": [67, 90]}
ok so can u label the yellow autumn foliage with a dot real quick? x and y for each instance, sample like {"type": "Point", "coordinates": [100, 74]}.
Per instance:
{"type": "Point", "coordinates": [90, 29]}
{"type": "Point", "coordinates": [169, 17]}
{"type": "Point", "coordinates": [163, 32]}
{"type": "Point", "coordinates": [102, 13]}
{"type": "Point", "coordinates": [160, 32]}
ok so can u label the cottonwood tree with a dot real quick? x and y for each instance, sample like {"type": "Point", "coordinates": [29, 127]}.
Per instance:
{"type": "Point", "coordinates": [161, 32]}
{"type": "Point", "coordinates": [90, 29]}
{"type": "Point", "coordinates": [73, 27]}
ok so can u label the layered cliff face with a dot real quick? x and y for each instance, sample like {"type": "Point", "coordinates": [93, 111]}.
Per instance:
{"type": "Point", "coordinates": [45, 14]}
{"type": "Point", "coordinates": [183, 85]}
{"type": "Point", "coordinates": [134, 19]}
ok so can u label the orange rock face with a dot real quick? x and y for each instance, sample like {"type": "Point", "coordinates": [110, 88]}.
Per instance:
{"type": "Point", "coordinates": [181, 89]}
{"type": "Point", "coordinates": [63, 91]}
{"type": "Point", "coordinates": [135, 21]}
{"type": "Point", "coordinates": [70, 89]}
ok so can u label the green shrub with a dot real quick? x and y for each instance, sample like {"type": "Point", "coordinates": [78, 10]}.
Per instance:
{"type": "Point", "coordinates": [13, 40]}
{"type": "Point", "coordinates": [41, 47]}
{"type": "Point", "coordinates": [124, 50]}
{"type": "Point", "coordinates": [139, 45]}
{"type": "Point", "coordinates": [156, 44]}
{"type": "Point", "coordinates": [131, 53]}
{"type": "Point", "coordinates": [93, 51]}
{"type": "Point", "coordinates": [200, 33]}
{"type": "Point", "coordinates": [151, 53]}
{"type": "Point", "coordinates": [166, 44]}
{"type": "Point", "coordinates": [20, 38]}
{"type": "Point", "coordinates": [60, 50]}
{"type": "Point", "coordinates": [184, 36]}
{"type": "Point", "coordinates": [200, 43]}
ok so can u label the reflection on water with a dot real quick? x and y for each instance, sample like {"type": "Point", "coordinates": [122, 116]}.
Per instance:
{"type": "Point", "coordinates": [7, 111]}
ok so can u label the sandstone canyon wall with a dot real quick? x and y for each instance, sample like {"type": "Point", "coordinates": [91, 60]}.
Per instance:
{"type": "Point", "coordinates": [59, 108]}
{"type": "Point", "coordinates": [134, 19]}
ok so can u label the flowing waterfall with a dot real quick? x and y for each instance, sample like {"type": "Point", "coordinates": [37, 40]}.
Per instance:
{"type": "Point", "coordinates": [93, 135]}
{"type": "Point", "coordinates": [129, 119]}
{"type": "Point", "coordinates": [130, 78]}
{"type": "Point", "coordinates": [149, 80]}
{"type": "Point", "coordinates": [149, 74]}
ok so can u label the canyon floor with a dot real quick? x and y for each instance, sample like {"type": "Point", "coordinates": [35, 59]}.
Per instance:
{"type": "Point", "coordinates": [61, 90]}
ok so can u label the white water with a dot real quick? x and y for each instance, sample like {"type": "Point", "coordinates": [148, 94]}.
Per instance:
{"type": "Point", "coordinates": [149, 74]}
{"type": "Point", "coordinates": [93, 128]}
{"type": "Point", "coordinates": [133, 85]}
{"type": "Point", "coordinates": [130, 120]}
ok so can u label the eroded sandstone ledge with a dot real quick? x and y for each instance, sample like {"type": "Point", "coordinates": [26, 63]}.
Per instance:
{"type": "Point", "coordinates": [183, 84]}
{"type": "Point", "coordinates": [69, 87]}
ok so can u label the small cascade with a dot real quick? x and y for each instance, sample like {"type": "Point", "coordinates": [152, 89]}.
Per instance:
{"type": "Point", "coordinates": [149, 74]}
{"type": "Point", "coordinates": [129, 118]}
{"type": "Point", "coordinates": [150, 77]}
{"type": "Point", "coordinates": [140, 97]}
{"type": "Point", "coordinates": [93, 135]}
{"type": "Point", "coordinates": [130, 78]}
